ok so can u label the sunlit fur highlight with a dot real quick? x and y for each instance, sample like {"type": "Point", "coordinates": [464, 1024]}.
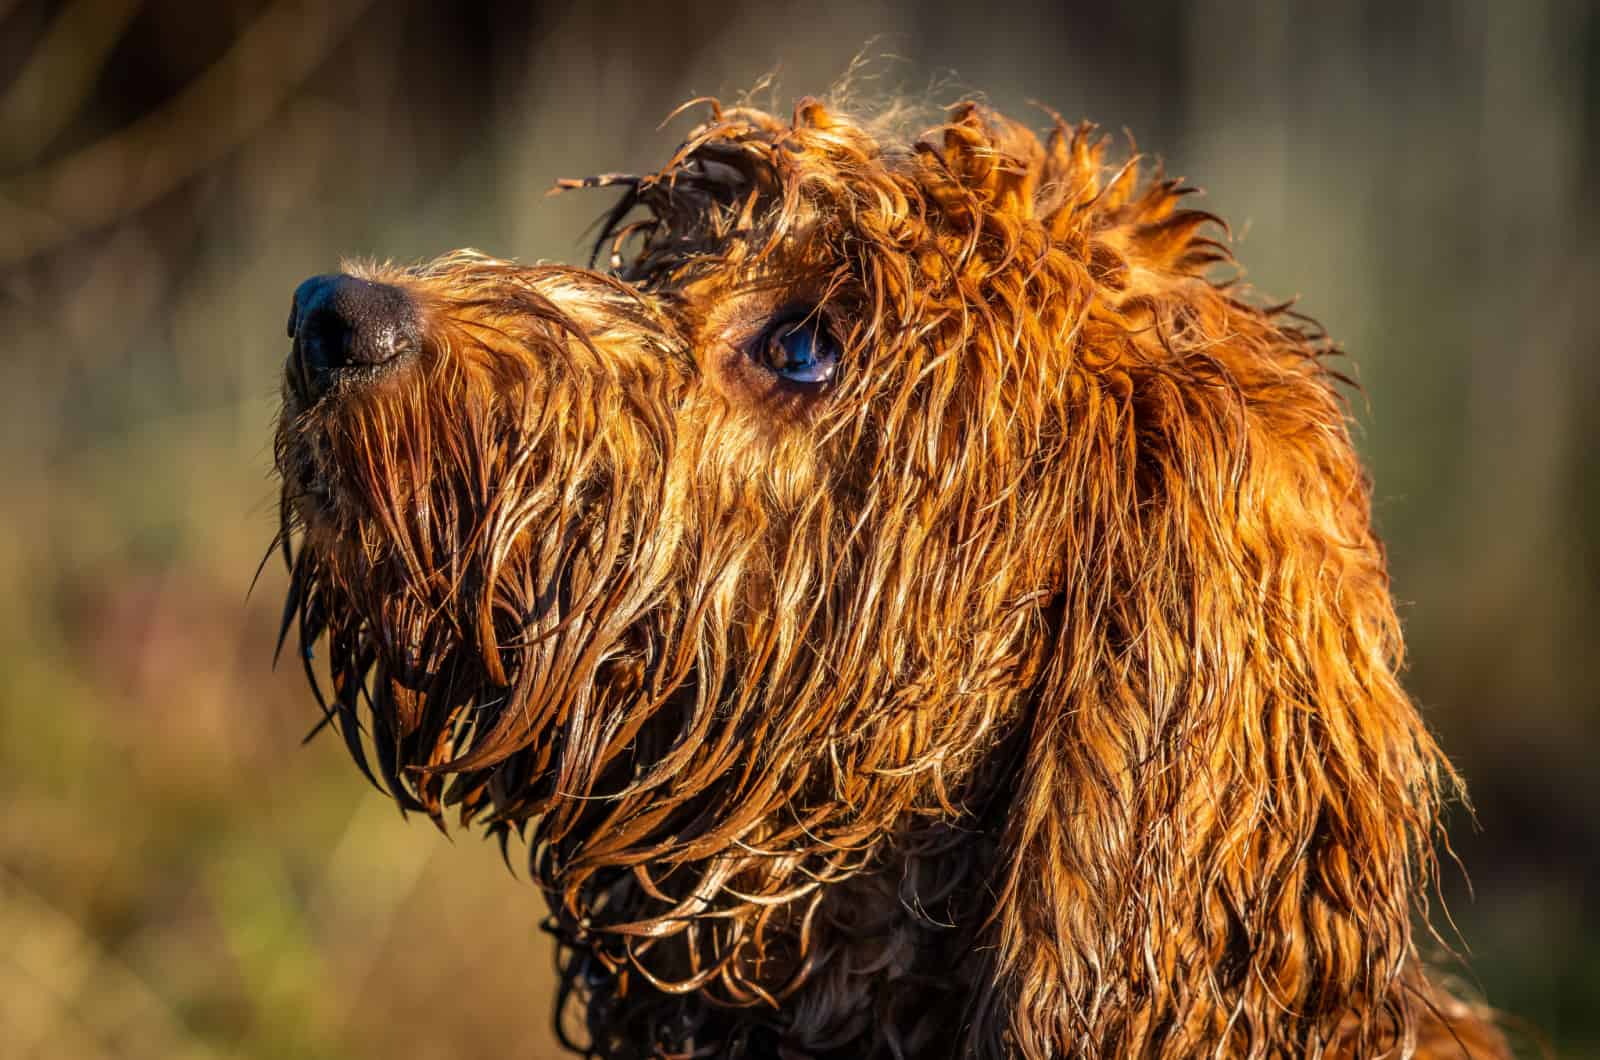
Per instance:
{"type": "Point", "coordinates": [1031, 690]}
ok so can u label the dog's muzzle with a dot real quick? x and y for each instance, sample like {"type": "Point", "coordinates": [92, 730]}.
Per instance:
{"type": "Point", "coordinates": [347, 331]}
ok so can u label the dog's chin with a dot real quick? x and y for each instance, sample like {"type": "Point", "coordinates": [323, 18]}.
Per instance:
{"type": "Point", "coordinates": [310, 497]}
{"type": "Point", "coordinates": [311, 481]}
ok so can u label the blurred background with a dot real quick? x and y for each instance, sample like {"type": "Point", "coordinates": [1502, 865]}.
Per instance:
{"type": "Point", "coordinates": [179, 877]}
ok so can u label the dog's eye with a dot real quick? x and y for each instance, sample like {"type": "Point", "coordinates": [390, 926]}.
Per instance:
{"type": "Point", "coordinates": [801, 351]}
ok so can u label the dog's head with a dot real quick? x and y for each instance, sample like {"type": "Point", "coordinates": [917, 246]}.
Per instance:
{"type": "Point", "coordinates": [748, 542]}
{"type": "Point", "coordinates": [872, 485]}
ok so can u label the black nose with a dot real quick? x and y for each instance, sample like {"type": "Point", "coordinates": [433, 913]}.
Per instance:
{"type": "Point", "coordinates": [341, 324]}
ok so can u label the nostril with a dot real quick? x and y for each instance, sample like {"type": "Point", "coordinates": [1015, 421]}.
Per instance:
{"type": "Point", "coordinates": [324, 340]}
{"type": "Point", "coordinates": [316, 291]}
{"type": "Point", "coordinates": [383, 341]}
{"type": "Point", "coordinates": [343, 322]}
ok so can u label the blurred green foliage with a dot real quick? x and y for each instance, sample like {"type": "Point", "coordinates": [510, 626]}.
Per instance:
{"type": "Point", "coordinates": [179, 877]}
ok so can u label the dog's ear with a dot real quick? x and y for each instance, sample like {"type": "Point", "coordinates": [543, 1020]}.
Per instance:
{"type": "Point", "coordinates": [1224, 811]}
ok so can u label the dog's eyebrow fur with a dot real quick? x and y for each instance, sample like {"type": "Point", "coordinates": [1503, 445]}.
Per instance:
{"type": "Point", "coordinates": [1031, 689]}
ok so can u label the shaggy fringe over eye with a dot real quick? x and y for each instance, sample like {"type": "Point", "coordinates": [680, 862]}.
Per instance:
{"type": "Point", "coordinates": [1043, 702]}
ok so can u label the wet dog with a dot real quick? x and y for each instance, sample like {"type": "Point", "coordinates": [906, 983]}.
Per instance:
{"type": "Point", "coordinates": [910, 604]}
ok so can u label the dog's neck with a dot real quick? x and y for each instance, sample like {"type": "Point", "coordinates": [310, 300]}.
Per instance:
{"type": "Point", "coordinates": [901, 959]}
{"type": "Point", "coordinates": [887, 961]}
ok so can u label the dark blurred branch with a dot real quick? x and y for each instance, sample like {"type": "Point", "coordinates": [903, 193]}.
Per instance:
{"type": "Point", "coordinates": [59, 76]}
{"type": "Point", "coordinates": [135, 166]}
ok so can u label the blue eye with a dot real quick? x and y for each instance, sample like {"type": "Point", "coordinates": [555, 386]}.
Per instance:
{"type": "Point", "coordinates": [801, 351]}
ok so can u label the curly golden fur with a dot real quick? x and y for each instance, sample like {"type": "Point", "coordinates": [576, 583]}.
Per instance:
{"type": "Point", "coordinates": [1028, 688]}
